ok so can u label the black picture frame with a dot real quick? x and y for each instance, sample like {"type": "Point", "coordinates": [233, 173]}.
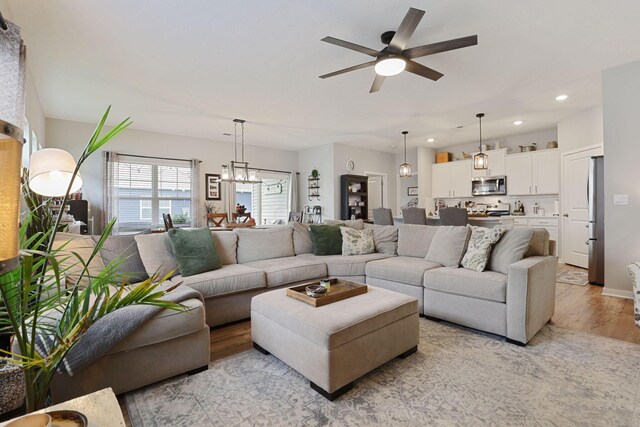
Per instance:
{"type": "Point", "coordinates": [412, 191]}
{"type": "Point", "coordinates": [212, 187]}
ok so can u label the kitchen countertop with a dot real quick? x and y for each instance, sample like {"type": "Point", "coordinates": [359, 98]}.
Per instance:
{"type": "Point", "coordinates": [530, 216]}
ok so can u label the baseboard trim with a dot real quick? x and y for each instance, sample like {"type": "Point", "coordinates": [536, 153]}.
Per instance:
{"type": "Point", "coordinates": [617, 293]}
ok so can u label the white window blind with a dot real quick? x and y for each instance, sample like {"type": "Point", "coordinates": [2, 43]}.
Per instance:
{"type": "Point", "coordinates": [146, 188]}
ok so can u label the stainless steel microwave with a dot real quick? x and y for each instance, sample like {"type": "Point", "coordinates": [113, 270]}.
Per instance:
{"type": "Point", "coordinates": [489, 186]}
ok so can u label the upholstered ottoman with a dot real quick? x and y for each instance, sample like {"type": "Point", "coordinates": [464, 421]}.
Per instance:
{"type": "Point", "coordinates": [335, 344]}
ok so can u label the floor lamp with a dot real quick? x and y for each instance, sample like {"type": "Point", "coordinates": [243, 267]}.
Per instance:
{"type": "Point", "coordinates": [11, 161]}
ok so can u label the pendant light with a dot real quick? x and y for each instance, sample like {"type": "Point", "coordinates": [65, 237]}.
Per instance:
{"type": "Point", "coordinates": [238, 171]}
{"type": "Point", "coordinates": [405, 168]}
{"type": "Point", "coordinates": [480, 160]}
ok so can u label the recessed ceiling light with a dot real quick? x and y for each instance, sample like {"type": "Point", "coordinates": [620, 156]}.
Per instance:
{"type": "Point", "coordinates": [562, 97]}
{"type": "Point", "coordinates": [518, 122]}
{"type": "Point", "coordinates": [431, 140]}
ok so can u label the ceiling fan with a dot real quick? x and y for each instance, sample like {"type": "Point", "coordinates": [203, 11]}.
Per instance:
{"type": "Point", "coordinates": [394, 58]}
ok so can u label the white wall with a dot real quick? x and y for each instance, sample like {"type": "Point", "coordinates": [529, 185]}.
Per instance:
{"type": "Point", "coordinates": [320, 158]}
{"type": "Point", "coordinates": [72, 136]}
{"type": "Point", "coordinates": [34, 111]}
{"type": "Point", "coordinates": [365, 161]}
{"type": "Point", "coordinates": [581, 130]}
{"type": "Point", "coordinates": [621, 108]}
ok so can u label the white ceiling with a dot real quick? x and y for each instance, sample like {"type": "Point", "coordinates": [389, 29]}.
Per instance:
{"type": "Point", "coordinates": [189, 67]}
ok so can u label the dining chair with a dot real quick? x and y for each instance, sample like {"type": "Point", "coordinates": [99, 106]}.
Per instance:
{"type": "Point", "coordinates": [241, 218]}
{"type": "Point", "coordinates": [453, 216]}
{"type": "Point", "coordinates": [217, 218]}
{"type": "Point", "coordinates": [296, 216]}
{"type": "Point", "coordinates": [382, 216]}
{"type": "Point", "coordinates": [168, 223]}
{"type": "Point", "coordinates": [414, 216]}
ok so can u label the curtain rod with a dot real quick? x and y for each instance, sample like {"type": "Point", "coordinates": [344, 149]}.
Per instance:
{"type": "Point", "coordinates": [186, 160]}
{"type": "Point", "coordinates": [154, 157]}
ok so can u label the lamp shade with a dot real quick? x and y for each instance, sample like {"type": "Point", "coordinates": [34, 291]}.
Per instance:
{"type": "Point", "coordinates": [50, 172]}
{"type": "Point", "coordinates": [11, 160]}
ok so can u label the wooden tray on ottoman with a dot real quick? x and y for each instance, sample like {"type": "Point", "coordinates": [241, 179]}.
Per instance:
{"type": "Point", "coordinates": [339, 290]}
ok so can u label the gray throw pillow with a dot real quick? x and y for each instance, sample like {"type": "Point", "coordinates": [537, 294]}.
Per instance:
{"type": "Point", "coordinates": [448, 245]}
{"type": "Point", "coordinates": [156, 254]}
{"type": "Point", "coordinates": [385, 238]}
{"type": "Point", "coordinates": [479, 248]}
{"type": "Point", "coordinates": [539, 243]}
{"type": "Point", "coordinates": [357, 224]}
{"type": "Point", "coordinates": [302, 243]}
{"type": "Point", "coordinates": [124, 250]}
{"type": "Point", "coordinates": [510, 248]}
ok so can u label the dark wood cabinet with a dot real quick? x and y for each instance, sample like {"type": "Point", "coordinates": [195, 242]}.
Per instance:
{"type": "Point", "coordinates": [354, 200]}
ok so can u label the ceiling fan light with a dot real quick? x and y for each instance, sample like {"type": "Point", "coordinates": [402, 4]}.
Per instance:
{"type": "Point", "coordinates": [390, 66]}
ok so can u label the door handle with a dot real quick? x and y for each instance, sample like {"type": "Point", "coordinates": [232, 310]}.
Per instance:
{"type": "Point", "coordinates": [565, 215]}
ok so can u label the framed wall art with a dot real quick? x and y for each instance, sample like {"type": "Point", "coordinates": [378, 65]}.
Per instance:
{"type": "Point", "coordinates": [212, 186]}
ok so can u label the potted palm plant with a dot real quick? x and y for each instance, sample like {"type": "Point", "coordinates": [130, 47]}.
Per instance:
{"type": "Point", "coordinates": [37, 303]}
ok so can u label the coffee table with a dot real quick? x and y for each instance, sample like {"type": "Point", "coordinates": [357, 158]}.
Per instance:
{"type": "Point", "coordinates": [335, 344]}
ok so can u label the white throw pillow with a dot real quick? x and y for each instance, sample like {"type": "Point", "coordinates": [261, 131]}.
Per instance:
{"type": "Point", "coordinates": [357, 242]}
{"type": "Point", "coordinates": [479, 248]}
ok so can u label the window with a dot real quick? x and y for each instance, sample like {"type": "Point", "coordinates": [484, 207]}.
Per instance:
{"type": "Point", "coordinates": [147, 188]}
{"type": "Point", "coordinates": [268, 202]}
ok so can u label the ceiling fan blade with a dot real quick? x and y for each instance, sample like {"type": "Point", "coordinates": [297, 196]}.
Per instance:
{"type": "Point", "coordinates": [346, 70]}
{"type": "Point", "coordinates": [352, 46]}
{"type": "Point", "coordinates": [430, 49]}
{"type": "Point", "coordinates": [421, 70]}
{"type": "Point", "coordinates": [377, 83]}
{"type": "Point", "coordinates": [405, 30]}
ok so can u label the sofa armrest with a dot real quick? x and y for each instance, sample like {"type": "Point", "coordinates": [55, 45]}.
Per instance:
{"type": "Point", "coordinates": [531, 295]}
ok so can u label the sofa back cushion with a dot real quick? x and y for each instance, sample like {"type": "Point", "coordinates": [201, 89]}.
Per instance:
{"type": "Point", "coordinates": [449, 245]}
{"type": "Point", "coordinates": [258, 244]}
{"type": "Point", "coordinates": [510, 248]}
{"type": "Point", "coordinates": [226, 244]}
{"type": "Point", "coordinates": [70, 266]}
{"type": "Point", "coordinates": [414, 240]}
{"type": "Point", "coordinates": [385, 238]}
{"type": "Point", "coordinates": [156, 254]}
{"type": "Point", "coordinates": [539, 243]}
{"type": "Point", "coordinates": [358, 224]}
{"type": "Point", "coordinates": [302, 243]}
{"type": "Point", "coordinates": [124, 250]}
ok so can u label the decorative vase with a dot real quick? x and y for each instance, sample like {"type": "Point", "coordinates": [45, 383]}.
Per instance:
{"type": "Point", "coordinates": [12, 391]}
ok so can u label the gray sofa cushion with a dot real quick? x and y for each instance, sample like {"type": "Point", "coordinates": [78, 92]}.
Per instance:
{"type": "Point", "coordinates": [408, 270]}
{"type": "Point", "coordinates": [226, 244]}
{"type": "Point", "coordinates": [229, 279]}
{"type": "Point", "coordinates": [448, 245]}
{"type": "Point", "coordinates": [356, 224]}
{"type": "Point", "coordinates": [510, 248]}
{"type": "Point", "coordinates": [259, 244]}
{"type": "Point", "coordinates": [539, 243]}
{"type": "Point", "coordinates": [414, 240]}
{"type": "Point", "coordinates": [302, 243]}
{"type": "Point", "coordinates": [282, 271]}
{"type": "Point", "coordinates": [385, 238]}
{"type": "Point", "coordinates": [487, 285]}
{"type": "Point", "coordinates": [124, 250]}
{"type": "Point", "coordinates": [69, 264]}
{"type": "Point", "coordinates": [352, 265]}
{"type": "Point", "coordinates": [156, 254]}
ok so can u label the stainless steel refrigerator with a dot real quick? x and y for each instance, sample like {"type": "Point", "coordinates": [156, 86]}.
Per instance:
{"type": "Point", "coordinates": [595, 197]}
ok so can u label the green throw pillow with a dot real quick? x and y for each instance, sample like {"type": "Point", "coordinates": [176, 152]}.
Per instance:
{"type": "Point", "coordinates": [194, 250]}
{"type": "Point", "coordinates": [326, 239]}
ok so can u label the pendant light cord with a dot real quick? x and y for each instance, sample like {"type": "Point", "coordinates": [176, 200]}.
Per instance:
{"type": "Point", "coordinates": [480, 116]}
{"type": "Point", "coordinates": [404, 132]}
{"type": "Point", "coordinates": [242, 142]}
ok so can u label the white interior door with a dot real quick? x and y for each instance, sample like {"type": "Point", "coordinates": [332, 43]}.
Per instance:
{"type": "Point", "coordinates": [375, 189]}
{"type": "Point", "coordinates": [575, 208]}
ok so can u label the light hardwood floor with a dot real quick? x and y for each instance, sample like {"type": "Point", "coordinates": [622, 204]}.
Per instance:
{"type": "Point", "coordinates": [579, 308]}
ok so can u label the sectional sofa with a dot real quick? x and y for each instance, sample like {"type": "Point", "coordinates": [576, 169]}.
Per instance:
{"type": "Point", "coordinates": [515, 303]}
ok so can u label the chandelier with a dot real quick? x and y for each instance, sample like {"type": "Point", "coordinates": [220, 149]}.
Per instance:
{"type": "Point", "coordinates": [480, 160]}
{"type": "Point", "coordinates": [238, 171]}
{"type": "Point", "coordinates": [405, 168]}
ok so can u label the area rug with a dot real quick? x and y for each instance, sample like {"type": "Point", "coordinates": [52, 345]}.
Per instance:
{"type": "Point", "coordinates": [458, 377]}
{"type": "Point", "coordinates": [573, 276]}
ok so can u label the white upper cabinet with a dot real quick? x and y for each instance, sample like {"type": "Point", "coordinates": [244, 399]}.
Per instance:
{"type": "Point", "coordinates": [546, 172]}
{"type": "Point", "coordinates": [496, 162]}
{"type": "Point", "coordinates": [452, 179]}
{"type": "Point", "coordinates": [533, 173]}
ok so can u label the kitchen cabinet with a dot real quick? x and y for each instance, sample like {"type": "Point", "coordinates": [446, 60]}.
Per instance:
{"type": "Point", "coordinates": [531, 173]}
{"type": "Point", "coordinates": [451, 179]}
{"type": "Point", "coordinates": [496, 162]}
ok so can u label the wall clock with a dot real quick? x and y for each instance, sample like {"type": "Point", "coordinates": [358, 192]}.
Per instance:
{"type": "Point", "coordinates": [350, 165]}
